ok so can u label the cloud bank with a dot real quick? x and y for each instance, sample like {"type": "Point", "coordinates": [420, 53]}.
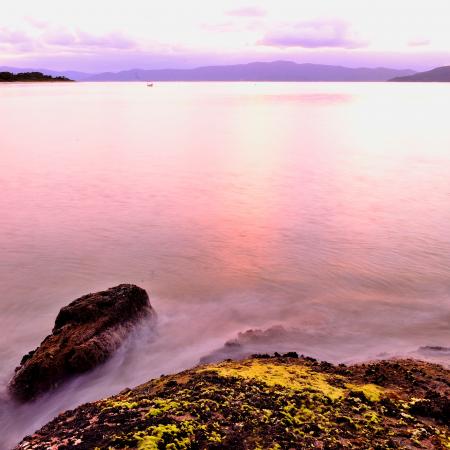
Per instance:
{"type": "Point", "coordinates": [78, 38]}
{"type": "Point", "coordinates": [13, 37]}
{"type": "Point", "coordinates": [60, 39]}
{"type": "Point", "coordinates": [315, 34]}
{"type": "Point", "coordinates": [102, 35]}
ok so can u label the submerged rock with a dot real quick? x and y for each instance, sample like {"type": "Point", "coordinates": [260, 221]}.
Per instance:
{"type": "Point", "coordinates": [251, 342]}
{"type": "Point", "coordinates": [86, 333]}
{"type": "Point", "coordinates": [436, 349]}
{"type": "Point", "coordinates": [267, 403]}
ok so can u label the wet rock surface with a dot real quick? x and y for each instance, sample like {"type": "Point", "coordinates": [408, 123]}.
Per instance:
{"type": "Point", "coordinates": [434, 350]}
{"type": "Point", "coordinates": [279, 402]}
{"type": "Point", "coordinates": [249, 342]}
{"type": "Point", "coordinates": [86, 333]}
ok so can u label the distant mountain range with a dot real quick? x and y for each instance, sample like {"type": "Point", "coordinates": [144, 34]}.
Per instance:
{"type": "Point", "coordinates": [440, 74]}
{"type": "Point", "coordinates": [256, 71]}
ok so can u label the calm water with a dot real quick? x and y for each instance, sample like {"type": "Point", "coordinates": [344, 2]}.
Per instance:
{"type": "Point", "coordinates": [324, 208]}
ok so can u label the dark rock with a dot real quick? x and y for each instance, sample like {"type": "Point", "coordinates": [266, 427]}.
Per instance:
{"type": "Point", "coordinates": [435, 405]}
{"type": "Point", "coordinates": [86, 333]}
{"type": "Point", "coordinates": [253, 341]}
{"type": "Point", "coordinates": [241, 406]}
{"type": "Point", "coordinates": [437, 349]}
{"type": "Point", "coordinates": [261, 356]}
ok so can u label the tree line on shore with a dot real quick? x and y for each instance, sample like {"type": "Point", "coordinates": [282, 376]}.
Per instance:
{"type": "Point", "coordinates": [29, 76]}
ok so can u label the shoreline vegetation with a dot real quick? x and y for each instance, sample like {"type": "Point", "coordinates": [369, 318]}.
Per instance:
{"type": "Point", "coordinates": [9, 77]}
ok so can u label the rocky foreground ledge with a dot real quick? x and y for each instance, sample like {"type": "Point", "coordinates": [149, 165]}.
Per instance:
{"type": "Point", "coordinates": [267, 403]}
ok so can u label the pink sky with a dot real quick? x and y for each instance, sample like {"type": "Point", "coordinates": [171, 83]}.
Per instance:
{"type": "Point", "coordinates": [110, 35]}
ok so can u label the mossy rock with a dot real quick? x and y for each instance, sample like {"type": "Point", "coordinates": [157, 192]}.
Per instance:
{"type": "Point", "coordinates": [267, 403]}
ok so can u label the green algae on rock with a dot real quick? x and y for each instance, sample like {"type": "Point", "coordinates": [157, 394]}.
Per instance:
{"type": "Point", "coordinates": [270, 403]}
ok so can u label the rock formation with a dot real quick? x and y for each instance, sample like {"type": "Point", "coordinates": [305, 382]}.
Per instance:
{"type": "Point", "coordinates": [86, 333]}
{"type": "Point", "coordinates": [254, 341]}
{"type": "Point", "coordinates": [267, 403]}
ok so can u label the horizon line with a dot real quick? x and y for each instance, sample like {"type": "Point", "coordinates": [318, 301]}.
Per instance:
{"type": "Point", "coordinates": [114, 71]}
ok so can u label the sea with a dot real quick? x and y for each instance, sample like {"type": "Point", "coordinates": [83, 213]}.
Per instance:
{"type": "Point", "coordinates": [307, 217]}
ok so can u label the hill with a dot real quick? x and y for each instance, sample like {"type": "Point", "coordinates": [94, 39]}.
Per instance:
{"type": "Point", "coordinates": [29, 76]}
{"type": "Point", "coordinates": [440, 74]}
{"type": "Point", "coordinates": [72, 74]}
{"type": "Point", "coordinates": [267, 403]}
{"type": "Point", "coordinates": [256, 71]}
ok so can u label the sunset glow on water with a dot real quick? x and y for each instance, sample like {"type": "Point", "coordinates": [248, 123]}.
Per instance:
{"type": "Point", "coordinates": [323, 208]}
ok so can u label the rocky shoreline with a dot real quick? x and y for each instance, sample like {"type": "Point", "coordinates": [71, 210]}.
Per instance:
{"type": "Point", "coordinates": [263, 402]}
{"type": "Point", "coordinates": [280, 402]}
{"type": "Point", "coordinates": [86, 333]}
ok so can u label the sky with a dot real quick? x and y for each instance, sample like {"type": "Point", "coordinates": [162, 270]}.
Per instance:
{"type": "Point", "coordinates": [110, 35]}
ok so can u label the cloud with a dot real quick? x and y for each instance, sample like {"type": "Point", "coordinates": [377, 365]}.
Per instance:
{"type": "Point", "coordinates": [419, 42]}
{"type": "Point", "coordinates": [249, 11]}
{"type": "Point", "coordinates": [62, 40]}
{"type": "Point", "coordinates": [13, 37]}
{"type": "Point", "coordinates": [81, 39]}
{"type": "Point", "coordinates": [114, 40]}
{"type": "Point", "coordinates": [13, 41]}
{"type": "Point", "coordinates": [315, 34]}
{"type": "Point", "coordinates": [59, 37]}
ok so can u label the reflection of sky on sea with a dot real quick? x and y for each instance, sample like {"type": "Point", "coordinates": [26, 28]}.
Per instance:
{"type": "Point", "coordinates": [319, 207]}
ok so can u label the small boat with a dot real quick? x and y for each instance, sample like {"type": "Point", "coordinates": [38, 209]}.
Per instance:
{"type": "Point", "coordinates": [150, 84]}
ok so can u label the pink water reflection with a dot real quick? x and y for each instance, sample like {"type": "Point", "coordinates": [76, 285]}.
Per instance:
{"type": "Point", "coordinates": [323, 207]}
